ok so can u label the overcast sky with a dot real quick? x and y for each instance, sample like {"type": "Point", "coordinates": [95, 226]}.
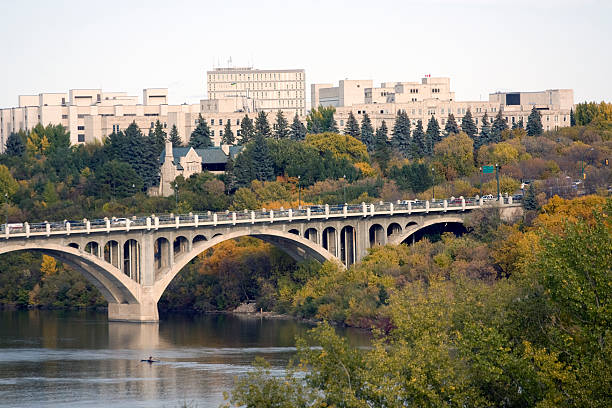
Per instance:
{"type": "Point", "coordinates": [482, 45]}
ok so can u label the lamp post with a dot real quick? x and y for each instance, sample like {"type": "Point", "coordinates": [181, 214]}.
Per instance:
{"type": "Point", "coordinates": [433, 187]}
{"type": "Point", "coordinates": [6, 210]}
{"type": "Point", "coordinates": [497, 177]}
{"type": "Point", "coordinates": [299, 193]}
{"type": "Point", "coordinates": [176, 193]}
{"type": "Point", "coordinates": [344, 188]}
{"type": "Point", "coordinates": [480, 176]}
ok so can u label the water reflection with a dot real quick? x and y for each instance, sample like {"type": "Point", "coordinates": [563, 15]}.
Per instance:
{"type": "Point", "coordinates": [80, 359]}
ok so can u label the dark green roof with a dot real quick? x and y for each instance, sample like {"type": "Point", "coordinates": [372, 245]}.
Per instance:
{"type": "Point", "coordinates": [210, 155]}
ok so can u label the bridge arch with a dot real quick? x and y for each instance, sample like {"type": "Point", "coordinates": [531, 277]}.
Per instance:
{"type": "Point", "coordinates": [294, 245]}
{"type": "Point", "coordinates": [377, 233]}
{"type": "Point", "coordinates": [412, 228]}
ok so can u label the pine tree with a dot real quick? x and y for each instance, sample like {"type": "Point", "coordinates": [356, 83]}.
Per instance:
{"type": "Point", "coordinates": [401, 133]}
{"type": "Point", "coordinates": [432, 136]}
{"type": "Point", "coordinates": [534, 123]}
{"type": "Point", "coordinates": [468, 125]}
{"type": "Point", "coordinates": [352, 126]}
{"type": "Point", "coordinates": [451, 125]}
{"type": "Point", "coordinates": [367, 132]}
{"type": "Point", "coordinates": [485, 133]}
{"type": "Point", "coordinates": [262, 160]}
{"type": "Point", "coordinates": [228, 134]}
{"type": "Point", "coordinates": [572, 117]}
{"type": "Point", "coordinates": [520, 124]}
{"type": "Point", "coordinates": [298, 130]}
{"type": "Point", "coordinates": [174, 137]}
{"type": "Point", "coordinates": [262, 127]}
{"type": "Point", "coordinates": [159, 136]}
{"type": "Point", "coordinates": [499, 125]}
{"type": "Point", "coordinates": [141, 154]}
{"type": "Point", "coordinates": [247, 130]}
{"type": "Point", "coordinates": [382, 153]}
{"type": "Point", "coordinates": [281, 127]}
{"type": "Point", "coordinates": [200, 137]}
{"type": "Point", "coordinates": [14, 145]}
{"type": "Point", "coordinates": [418, 145]}
{"type": "Point", "coordinates": [530, 202]}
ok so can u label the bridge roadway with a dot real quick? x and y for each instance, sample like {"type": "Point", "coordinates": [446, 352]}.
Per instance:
{"type": "Point", "coordinates": [133, 260]}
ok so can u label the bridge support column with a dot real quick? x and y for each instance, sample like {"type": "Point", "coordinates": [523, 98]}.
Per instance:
{"type": "Point", "coordinates": [145, 311]}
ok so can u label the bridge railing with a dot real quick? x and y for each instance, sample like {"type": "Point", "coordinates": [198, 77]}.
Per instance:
{"type": "Point", "coordinates": [208, 218]}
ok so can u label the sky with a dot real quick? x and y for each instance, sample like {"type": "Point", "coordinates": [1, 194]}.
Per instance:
{"type": "Point", "coordinates": [484, 46]}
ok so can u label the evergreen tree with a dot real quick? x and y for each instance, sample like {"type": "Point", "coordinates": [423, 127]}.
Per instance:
{"type": "Point", "coordinates": [141, 154]}
{"type": "Point", "coordinates": [228, 134]}
{"type": "Point", "coordinates": [499, 125]}
{"type": "Point", "coordinates": [14, 145]}
{"type": "Point", "coordinates": [530, 201]}
{"type": "Point", "coordinates": [229, 178]}
{"type": "Point", "coordinates": [262, 160]}
{"type": "Point", "coordinates": [200, 137]}
{"type": "Point", "coordinates": [322, 120]}
{"type": "Point", "coordinates": [352, 126]}
{"type": "Point", "coordinates": [451, 125]}
{"type": "Point", "coordinates": [432, 136]}
{"type": "Point", "coordinates": [262, 127]}
{"type": "Point", "coordinates": [418, 145]}
{"type": "Point", "coordinates": [485, 133]}
{"type": "Point", "coordinates": [367, 132]}
{"type": "Point", "coordinates": [572, 117]}
{"type": "Point", "coordinates": [247, 130]}
{"type": "Point", "coordinates": [518, 124]}
{"type": "Point", "coordinates": [298, 130]}
{"type": "Point", "coordinates": [174, 137]}
{"type": "Point", "coordinates": [281, 127]}
{"type": "Point", "coordinates": [534, 123]}
{"type": "Point", "coordinates": [159, 136]}
{"type": "Point", "coordinates": [468, 125]}
{"type": "Point", "coordinates": [382, 153]}
{"type": "Point", "coordinates": [401, 133]}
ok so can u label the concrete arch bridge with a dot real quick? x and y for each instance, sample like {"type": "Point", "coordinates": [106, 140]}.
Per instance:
{"type": "Point", "coordinates": [133, 260]}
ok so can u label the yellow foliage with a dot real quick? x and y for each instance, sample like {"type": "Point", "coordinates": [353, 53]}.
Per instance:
{"type": "Point", "coordinates": [341, 146]}
{"type": "Point", "coordinates": [365, 169]}
{"type": "Point", "coordinates": [48, 266]}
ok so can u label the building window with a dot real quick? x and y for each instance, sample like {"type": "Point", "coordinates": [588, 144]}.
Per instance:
{"type": "Point", "coordinates": [237, 122]}
{"type": "Point", "coordinates": [212, 133]}
{"type": "Point", "coordinates": [81, 138]}
{"type": "Point", "coordinates": [341, 122]}
{"type": "Point", "coordinates": [220, 133]}
{"type": "Point", "coordinates": [220, 121]}
{"type": "Point", "coordinates": [64, 116]}
{"type": "Point", "coordinates": [212, 121]}
{"type": "Point", "coordinates": [80, 127]}
{"type": "Point", "coordinates": [80, 116]}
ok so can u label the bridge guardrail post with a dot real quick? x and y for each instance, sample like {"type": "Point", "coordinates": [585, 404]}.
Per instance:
{"type": "Point", "coordinates": [391, 208]}
{"type": "Point", "coordinates": [67, 228]}
{"type": "Point", "coordinates": [128, 222]}
{"type": "Point", "coordinates": [290, 214]}
{"type": "Point", "coordinates": [345, 210]}
{"type": "Point", "coordinates": [156, 222]}
{"type": "Point", "coordinates": [196, 220]}
{"type": "Point", "coordinates": [6, 230]}
{"type": "Point", "coordinates": [427, 206]}
{"type": "Point", "coordinates": [107, 222]}
{"type": "Point", "coordinates": [445, 205]}
{"type": "Point", "coordinates": [462, 204]}
{"type": "Point", "coordinates": [177, 221]}
{"type": "Point", "coordinates": [509, 200]}
{"type": "Point", "coordinates": [47, 228]}
{"type": "Point", "coordinates": [365, 209]}
{"type": "Point", "coordinates": [88, 226]}
{"type": "Point", "coordinates": [409, 207]}
{"type": "Point", "coordinates": [27, 229]}
{"type": "Point", "coordinates": [308, 213]}
{"type": "Point", "coordinates": [326, 211]}
{"type": "Point", "coordinates": [271, 216]}
{"type": "Point", "coordinates": [372, 209]}
{"type": "Point", "coordinates": [215, 219]}
{"type": "Point", "coordinates": [234, 218]}
{"type": "Point", "coordinates": [148, 223]}
{"type": "Point", "coordinates": [480, 202]}
{"type": "Point", "coordinates": [252, 217]}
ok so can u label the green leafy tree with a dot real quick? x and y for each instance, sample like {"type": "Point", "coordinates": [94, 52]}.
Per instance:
{"type": "Point", "coordinates": [455, 156]}
{"type": "Point", "coordinates": [15, 145]}
{"type": "Point", "coordinates": [200, 137]}
{"type": "Point", "coordinates": [534, 123]}
{"type": "Point", "coordinates": [321, 120]}
{"type": "Point", "coordinates": [352, 126]}
{"type": "Point", "coordinates": [116, 179]}
{"type": "Point", "coordinates": [262, 127]}
{"type": "Point", "coordinates": [262, 161]}
{"type": "Point", "coordinates": [281, 127]}
{"type": "Point", "coordinates": [499, 125]}
{"type": "Point", "coordinates": [451, 125]}
{"type": "Point", "coordinates": [382, 152]}
{"type": "Point", "coordinates": [228, 134]}
{"type": "Point", "coordinates": [401, 133]}
{"type": "Point", "coordinates": [468, 125]}
{"type": "Point", "coordinates": [367, 132]}
{"type": "Point", "coordinates": [247, 130]}
{"type": "Point", "coordinates": [174, 137]}
{"type": "Point", "coordinates": [419, 143]}
{"type": "Point", "coordinates": [432, 135]}
{"type": "Point", "coordinates": [8, 184]}
{"type": "Point", "coordinates": [415, 177]}
{"type": "Point", "coordinates": [297, 130]}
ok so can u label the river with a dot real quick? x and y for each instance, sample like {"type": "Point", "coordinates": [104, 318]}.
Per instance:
{"type": "Point", "coordinates": [79, 359]}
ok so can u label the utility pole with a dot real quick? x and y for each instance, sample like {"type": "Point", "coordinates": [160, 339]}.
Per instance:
{"type": "Point", "coordinates": [433, 187]}
{"type": "Point", "coordinates": [344, 187]}
{"type": "Point", "coordinates": [480, 176]}
{"type": "Point", "coordinates": [497, 177]}
{"type": "Point", "coordinates": [299, 193]}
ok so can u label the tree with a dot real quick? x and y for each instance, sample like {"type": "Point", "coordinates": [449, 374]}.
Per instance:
{"type": "Point", "coordinates": [572, 117]}
{"type": "Point", "coordinates": [455, 154]}
{"type": "Point", "coordinates": [262, 161]}
{"type": "Point", "coordinates": [159, 137]}
{"type": "Point", "coordinates": [382, 154]}
{"type": "Point", "coordinates": [432, 135]}
{"type": "Point", "coordinates": [468, 125]}
{"type": "Point", "coordinates": [200, 137]}
{"type": "Point", "coordinates": [14, 144]}
{"type": "Point", "coordinates": [297, 130]}
{"type": "Point", "coordinates": [141, 155]}
{"type": "Point", "coordinates": [534, 123]}
{"type": "Point", "coordinates": [530, 202]}
{"type": "Point", "coordinates": [499, 125]}
{"type": "Point", "coordinates": [485, 132]}
{"type": "Point", "coordinates": [415, 176]}
{"type": "Point", "coordinates": [401, 133]}
{"type": "Point", "coordinates": [367, 132]}
{"type": "Point", "coordinates": [419, 144]}
{"type": "Point", "coordinates": [352, 126]}
{"type": "Point", "coordinates": [228, 135]}
{"type": "Point", "coordinates": [174, 137]}
{"type": "Point", "coordinates": [8, 184]}
{"type": "Point", "coordinates": [116, 179]}
{"type": "Point", "coordinates": [247, 130]}
{"type": "Point", "coordinates": [321, 120]}
{"type": "Point", "coordinates": [281, 127]}
{"type": "Point", "coordinates": [262, 127]}
{"type": "Point", "coordinates": [451, 125]}
{"type": "Point", "coordinates": [340, 146]}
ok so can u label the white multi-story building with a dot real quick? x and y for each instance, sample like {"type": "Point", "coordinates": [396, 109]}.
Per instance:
{"type": "Point", "coordinates": [254, 90]}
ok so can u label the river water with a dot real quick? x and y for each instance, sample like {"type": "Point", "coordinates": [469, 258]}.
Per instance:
{"type": "Point", "coordinates": [79, 359]}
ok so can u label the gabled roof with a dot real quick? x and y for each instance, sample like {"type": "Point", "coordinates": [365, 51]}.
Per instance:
{"type": "Point", "coordinates": [210, 155]}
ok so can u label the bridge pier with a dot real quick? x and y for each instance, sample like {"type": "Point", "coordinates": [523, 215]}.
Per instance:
{"type": "Point", "coordinates": [143, 312]}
